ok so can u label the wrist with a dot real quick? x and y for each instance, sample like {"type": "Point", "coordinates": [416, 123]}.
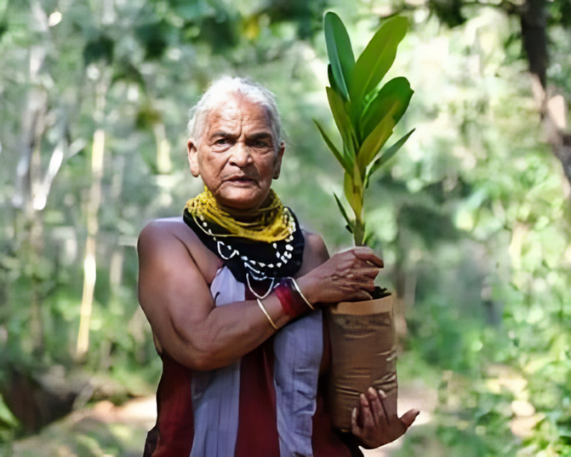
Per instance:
{"type": "Point", "coordinates": [308, 289]}
{"type": "Point", "coordinates": [294, 303]}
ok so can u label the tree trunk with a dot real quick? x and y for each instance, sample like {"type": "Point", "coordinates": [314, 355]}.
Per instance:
{"type": "Point", "coordinates": [552, 109]}
{"type": "Point", "coordinates": [92, 216]}
{"type": "Point", "coordinates": [534, 35]}
{"type": "Point", "coordinates": [28, 180]}
{"type": "Point", "coordinates": [90, 263]}
{"type": "Point", "coordinates": [164, 165]}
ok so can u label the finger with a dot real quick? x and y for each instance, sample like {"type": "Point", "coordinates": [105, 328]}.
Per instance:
{"type": "Point", "coordinates": [354, 427]}
{"type": "Point", "coordinates": [409, 417]}
{"type": "Point", "coordinates": [368, 272]}
{"type": "Point", "coordinates": [383, 396]}
{"type": "Point", "coordinates": [361, 295]}
{"type": "Point", "coordinates": [361, 275]}
{"type": "Point", "coordinates": [377, 408]}
{"type": "Point", "coordinates": [358, 278]}
{"type": "Point", "coordinates": [367, 417]}
{"type": "Point", "coordinates": [367, 255]}
{"type": "Point", "coordinates": [366, 284]}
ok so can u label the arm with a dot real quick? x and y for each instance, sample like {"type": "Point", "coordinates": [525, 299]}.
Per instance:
{"type": "Point", "coordinates": [177, 301]}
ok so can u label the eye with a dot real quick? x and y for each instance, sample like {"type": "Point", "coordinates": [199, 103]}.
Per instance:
{"type": "Point", "coordinates": [221, 141]}
{"type": "Point", "coordinates": [260, 143]}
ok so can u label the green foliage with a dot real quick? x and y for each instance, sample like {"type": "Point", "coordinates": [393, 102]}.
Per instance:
{"type": "Point", "coordinates": [376, 60]}
{"type": "Point", "coordinates": [8, 424]}
{"type": "Point", "coordinates": [392, 99]}
{"type": "Point", "coordinates": [365, 116]}
{"type": "Point", "coordinates": [340, 53]}
{"type": "Point", "coordinates": [101, 48]}
{"type": "Point", "coordinates": [383, 159]}
{"type": "Point", "coordinates": [131, 70]}
{"type": "Point", "coordinates": [473, 215]}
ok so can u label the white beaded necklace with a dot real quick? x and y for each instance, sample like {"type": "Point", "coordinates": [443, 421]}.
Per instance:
{"type": "Point", "coordinates": [250, 264]}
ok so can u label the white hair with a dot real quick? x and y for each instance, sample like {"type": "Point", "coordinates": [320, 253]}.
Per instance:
{"type": "Point", "coordinates": [226, 86]}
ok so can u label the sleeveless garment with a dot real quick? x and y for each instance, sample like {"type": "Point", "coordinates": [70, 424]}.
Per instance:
{"type": "Point", "coordinates": [267, 404]}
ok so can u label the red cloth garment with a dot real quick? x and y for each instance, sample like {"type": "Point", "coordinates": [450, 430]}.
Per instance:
{"type": "Point", "coordinates": [257, 432]}
{"type": "Point", "coordinates": [234, 410]}
{"type": "Point", "coordinates": [172, 435]}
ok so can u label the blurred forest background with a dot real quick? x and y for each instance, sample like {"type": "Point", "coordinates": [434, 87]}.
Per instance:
{"type": "Point", "coordinates": [473, 215]}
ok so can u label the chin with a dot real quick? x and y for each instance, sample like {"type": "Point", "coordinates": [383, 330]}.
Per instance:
{"type": "Point", "coordinates": [243, 199]}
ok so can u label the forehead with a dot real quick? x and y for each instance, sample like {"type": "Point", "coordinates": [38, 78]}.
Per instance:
{"type": "Point", "coordinates": [237, 113]}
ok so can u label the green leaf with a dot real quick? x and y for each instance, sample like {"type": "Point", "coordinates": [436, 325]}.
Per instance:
{"type": "Point", "coordinates": [375, 141]}
{"type": "Point", "coordinates": [341, 119]}
{"type": "Point", "coordinates": [353, 187]}
{"type": "Point", "coordinates": [332, 81]}
{"type": "Point", "coordinates": [394, 96]}
{"type": "Point", "coordinates": [346, 164]}
{"type": "Point", "coordinates": [385, 157]}
{"type": "Point", "coordinates": [339, 51]}
{"type": "Point", "coordinates": [344, 213]}
{"type": "Point", "coordinates": [376, 59]}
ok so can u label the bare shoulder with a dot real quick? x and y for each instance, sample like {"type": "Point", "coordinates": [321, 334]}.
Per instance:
{"type": "Point", "coordinates": [171, 241]}
{"type": "Point", "coordinates": [163, 244]}
{"type": "Point", "coordinates": [161, 231]}
{"type": "Point", "coordinates": [314, 253]}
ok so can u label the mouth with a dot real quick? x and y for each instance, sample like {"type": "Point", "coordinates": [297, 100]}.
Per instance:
{"type": "Point", "coordinates": [241, 180]}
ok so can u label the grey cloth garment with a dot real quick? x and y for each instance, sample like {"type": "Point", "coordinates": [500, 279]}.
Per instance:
{"type": "Point", "coordinates": [298, 348]}
{"type": "Point", "coordinates": [216, 394]}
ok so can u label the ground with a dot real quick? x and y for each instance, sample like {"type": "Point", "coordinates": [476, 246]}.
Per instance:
{"type": "Point", "coordinates": [106, 430]}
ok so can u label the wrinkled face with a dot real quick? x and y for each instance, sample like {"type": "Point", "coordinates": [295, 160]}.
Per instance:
{"type": "Point", "coordinates": [237, 156]}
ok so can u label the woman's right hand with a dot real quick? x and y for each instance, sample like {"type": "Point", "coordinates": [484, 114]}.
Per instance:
{"type": "Point", "coordinates": [347, 276]}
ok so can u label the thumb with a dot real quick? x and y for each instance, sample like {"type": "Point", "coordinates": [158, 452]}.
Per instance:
{"type": "Point", "coordinates": [409, 417]}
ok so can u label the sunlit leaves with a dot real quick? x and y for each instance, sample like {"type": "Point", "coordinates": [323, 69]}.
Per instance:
{"type": "Point", "coordinates": [353, 189]}
{"type": "Point", "coordinates": [341, 157]}
{"type": "Point", "coordinates": [350, 223]}
{"type": "Point", "coordinates": [364, 115]}
{"type": "Point", "coordinates": [342, 120]}
{"type": "Point", "coordinates": [375, 141]}
{"type": "Point", "coordinates": [394, 97]}
{"type": "Point", "coordinates": [340, 52]}
{"type": "Point", "coordinates": [385, 157]}
{"type": "Point", "coordinates": [377, 58]}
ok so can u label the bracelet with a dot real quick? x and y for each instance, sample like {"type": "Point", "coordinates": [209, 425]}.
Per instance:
{"type": "Point", "coordinates": [292, 301]}
{"type": "Point", "coordinates": [263, 308]}
{"type": "Point", "coordinates": [302, 296]}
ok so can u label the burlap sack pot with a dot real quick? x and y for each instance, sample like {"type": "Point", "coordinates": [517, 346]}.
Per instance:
{"type": "Point", "coordinates": [363, 350]}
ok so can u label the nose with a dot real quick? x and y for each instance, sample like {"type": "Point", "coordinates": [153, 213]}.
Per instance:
{"type": "Point", "coordinates": [241, 155]}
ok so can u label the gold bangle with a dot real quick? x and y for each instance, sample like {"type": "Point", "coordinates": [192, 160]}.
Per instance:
{"type": "Point", "coordinates": [263, 308]}
{"type": "Point", "coordinates": [302, 296]}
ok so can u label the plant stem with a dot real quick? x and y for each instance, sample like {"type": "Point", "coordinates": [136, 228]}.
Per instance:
{"type": "Point", "coordinates": [359, 232]}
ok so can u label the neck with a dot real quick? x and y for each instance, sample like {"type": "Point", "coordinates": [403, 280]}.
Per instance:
{"type": "Point", "coordinates": [241, 214]}
{"type": "Point", "coordinates": [269, 222]}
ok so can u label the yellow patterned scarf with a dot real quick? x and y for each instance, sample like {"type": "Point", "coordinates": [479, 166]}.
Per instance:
{"type": "Point", "coordinates": [269, 224]}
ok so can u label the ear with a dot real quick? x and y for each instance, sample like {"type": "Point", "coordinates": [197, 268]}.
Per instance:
{"type": "Point", "coordinates": [278, 165]}
{"type": "Point", "coordinates": [193, 157]}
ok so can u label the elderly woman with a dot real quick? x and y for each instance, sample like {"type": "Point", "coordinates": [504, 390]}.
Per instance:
{"type": "Point", "coordinates": [234, 290]}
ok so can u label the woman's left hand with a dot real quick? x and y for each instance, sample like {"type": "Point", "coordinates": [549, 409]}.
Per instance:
{"type": "Point", "coordinates": [372, 426]}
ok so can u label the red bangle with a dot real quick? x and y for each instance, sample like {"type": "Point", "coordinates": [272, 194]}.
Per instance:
{"type": "Point", "coordinates": [293, 303]}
